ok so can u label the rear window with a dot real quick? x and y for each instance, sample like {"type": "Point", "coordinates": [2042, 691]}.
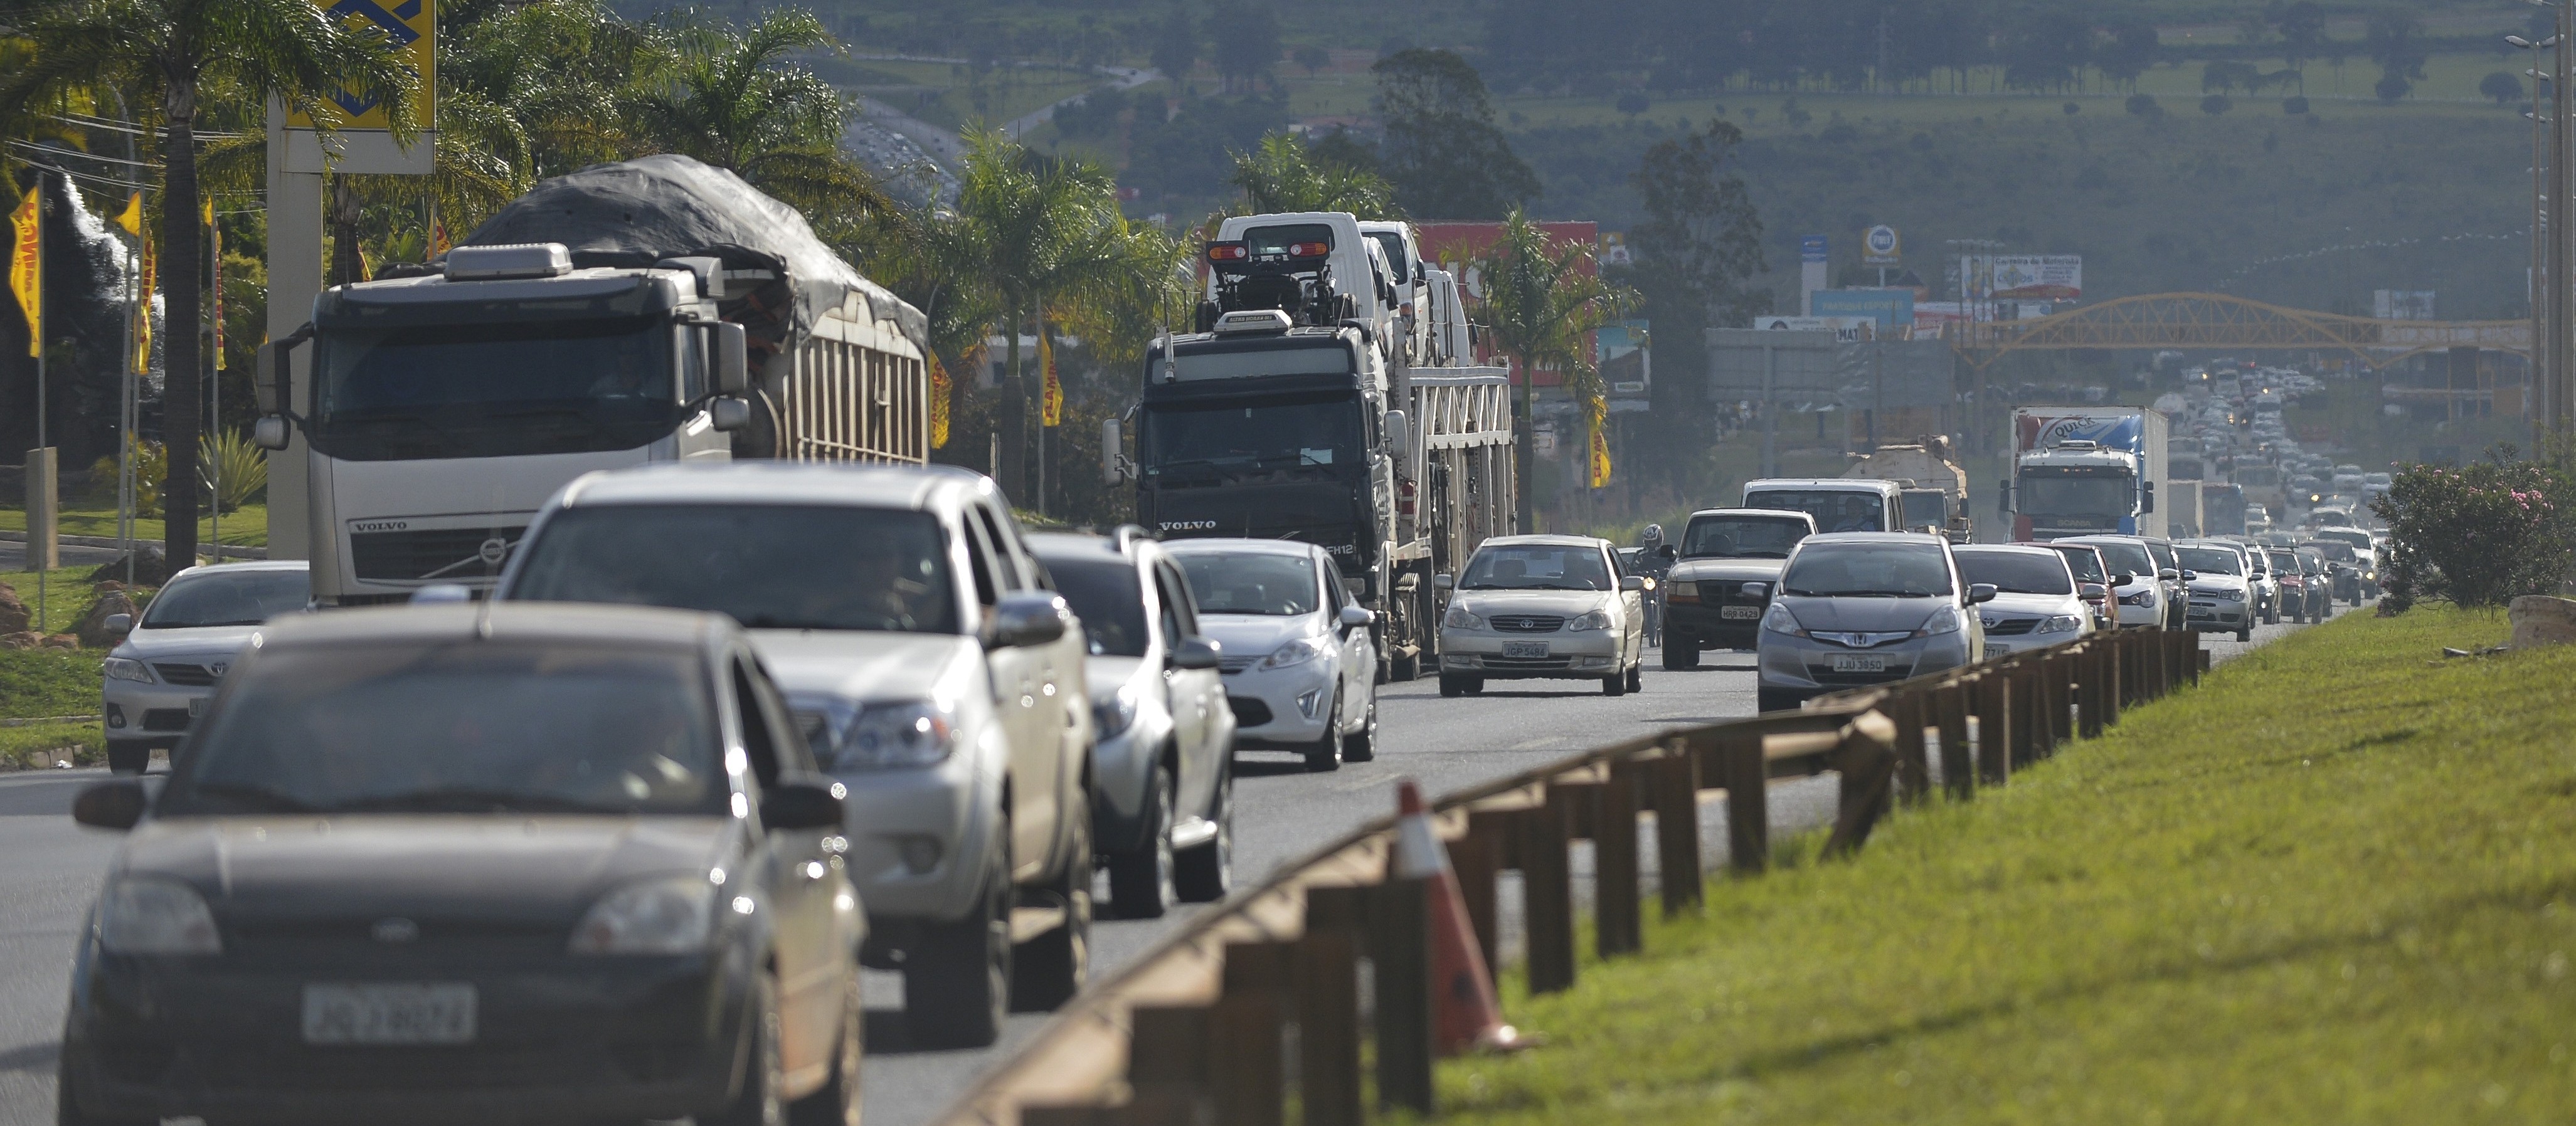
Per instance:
{"type": "Point", "coordinates": [1261, 241]}
{"type": "Point", "coordinates": [2016, 572]}
{"type": "Point", "coordinates": [1741, 537]}
{"type": "Point", "coordinates": [1835, 510]}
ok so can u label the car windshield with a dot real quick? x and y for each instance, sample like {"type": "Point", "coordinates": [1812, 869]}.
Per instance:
{"type": "Point", "coordinates": [228, 598]}
{"type": "Point", "coordinates": [2087, 566]}
{"type": "Point", "coordinates": [1741, 537]}
{"type": "Point", "coordinates": [1104, 593]}
{"type": "Point", "coordinates": [2210, 560]}
{"type": "Point", "coordinates": [1868, 570]}
{"type": "Point", "coordinates": [458, 727]}
{"type": "Point", "coordinates": [1251, 582]}
{"type": "Point", "coordinates": [2339, 552]}
{"type": "Point", "coordinates": [771, 566]}
{"type": "Point", "coordinates": [1537, 566]}
{"type": "Point", "coordinates": [2128, 557]}
{"type": "Point", "coordinates": [2016, 572]}
{"type": "Point", "coordinates": [495, 390]}
{"type": "Point", "coordinates": [2285, 562]}
{"type": "Point", "coordinates": [1835, 510]}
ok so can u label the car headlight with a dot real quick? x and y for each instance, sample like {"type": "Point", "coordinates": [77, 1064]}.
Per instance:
{"type": "Point", "coordinates": [1681, 591]}
{"type": "Point", "coordinates": [1943, 620]}
{"type": "Point", "coordinates": [2060, 623]}
{"type": "Point", "coordinates": [2230, 595]}
{"type": "Point", "coordinates": [1459, 618]}
{"type": "Point", "coordinates": [902, 733]}
{"type": "Point", "coordinates": [661, 915]}
{"type": "Point", "coordinates": [152, 916]}
{"type": "Point", "coordinates": [2138, 599]}
{"type": "Point", "coordinates": [121, 668]}
{"type": "Point", "coordinates": [1296, 652]}
{"type": "Point", "coordinates": [1111, 715]}
{"type": "Point", "coordinates": [1778, 619]}
{"type": "Point", "coordinates": [1596, 620]}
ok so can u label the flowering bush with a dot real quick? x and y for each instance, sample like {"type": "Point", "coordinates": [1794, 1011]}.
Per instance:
{"type": "Point", "coordinates": [2479, 535]}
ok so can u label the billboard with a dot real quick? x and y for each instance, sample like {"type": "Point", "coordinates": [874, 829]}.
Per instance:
{"type": "Point", "coordinates": [2024, 277]}
{"type": "Point", "coordinates": [1456, 247]}
{"type": "Point", "coordinates": [1627, 364]}
{"type": "Point", "coordinates": [1887, 308]}
{"type": "Point", "coordinates": [2402, 304]}
{"type": "Point", "coordinates": [1845, 329]}
{"type": "Point", "coordinates": [1880, 246]}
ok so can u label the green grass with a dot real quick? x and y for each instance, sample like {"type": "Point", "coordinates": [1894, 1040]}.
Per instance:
{"type": "Point", "coordinates": [246, 526]}
{"type": "Point", "coordinates": [2334, 885]}
{"type": "Point", "coordinates": [39, 747]}
{"type": "Point", "coordinates": [66, 595]}
{"type": "Point", "coordinates": [40, 683]}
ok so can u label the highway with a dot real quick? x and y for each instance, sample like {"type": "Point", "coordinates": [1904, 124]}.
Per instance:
{"type": "Point", "coordinates": [54, 866]}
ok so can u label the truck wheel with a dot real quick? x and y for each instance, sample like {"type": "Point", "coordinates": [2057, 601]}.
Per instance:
{"type": "Point", "coordinates": [128, 757]}
{"type": "Point", "coordinates": [1363, 746]}
{"type": "Point", "coordinates": [1140, 879]}
{"type": "Point", "coordinates": [1203, 874]}
{"type": "Point", "coordinates": [1048, 970]}
{"type": "Point", "coordinates": [956, 980]}
{"type": "Point", "coordinates": [1326, 753]}
{"type": "Point", "coordinates": [1681, 651]}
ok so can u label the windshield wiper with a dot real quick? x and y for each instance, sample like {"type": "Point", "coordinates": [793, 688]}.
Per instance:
{"type": "Point", "coordinates": [473, 799]}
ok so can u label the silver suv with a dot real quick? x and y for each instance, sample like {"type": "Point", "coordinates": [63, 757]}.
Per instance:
{"type": "Point", "coordinates": [932, 669]}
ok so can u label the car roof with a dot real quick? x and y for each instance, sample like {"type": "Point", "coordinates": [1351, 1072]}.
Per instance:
{"type": "Point", "coordinates": [1830, 538]}
{"type": "Point", "coordinates": [1542, 540]}
{"type": "Point", "coordinates": [1853, 484]}
{"type": "Point", "coordinates": [1773, 513]}
{"type": "Point", "coordinates": [2000, 549]}
{"type": "Point", "coordinates": [511, 621]}
{"type": "Point", "coordinates": [777, 482]}
{"type": "Point", "coordinates": [1212, 545]}
{"type": "Point", "coordinates": [2052, 545]}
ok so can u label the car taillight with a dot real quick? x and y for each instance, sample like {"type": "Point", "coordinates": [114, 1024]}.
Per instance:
{"type": "Point", "coordinates": [1227, 252]}
{"type": "Point", "coordinates": [1309, 249]}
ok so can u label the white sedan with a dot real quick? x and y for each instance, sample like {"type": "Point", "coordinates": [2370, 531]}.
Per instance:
{"type": "Point", "coordinates": [1543, 608]}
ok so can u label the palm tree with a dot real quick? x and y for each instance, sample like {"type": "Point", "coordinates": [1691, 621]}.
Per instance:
{"type": "Point", "coordinates": [1542, 305]}
{"type": "Point", "coordinates": [1282, 175]}
{"type": "Point", "coordinates": [175, 51]}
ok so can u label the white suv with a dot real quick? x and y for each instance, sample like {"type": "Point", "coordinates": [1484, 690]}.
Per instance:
{"type": "Point", "coordinates": [928, 664]}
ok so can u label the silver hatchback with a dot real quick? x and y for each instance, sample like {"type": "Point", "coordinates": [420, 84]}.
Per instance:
{"type": "Point", "coordinates": [1863, 608]}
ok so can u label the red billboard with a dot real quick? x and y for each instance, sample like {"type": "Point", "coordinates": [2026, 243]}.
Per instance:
{"type": "Point", "coordinates": [1456, 247]}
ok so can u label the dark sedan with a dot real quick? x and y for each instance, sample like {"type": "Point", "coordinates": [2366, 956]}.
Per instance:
{"type": "Point", "coordinates": [514, 863]}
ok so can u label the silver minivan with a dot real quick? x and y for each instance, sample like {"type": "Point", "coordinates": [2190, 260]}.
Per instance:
{"type": "Point", "coordinates": [1863, 608]}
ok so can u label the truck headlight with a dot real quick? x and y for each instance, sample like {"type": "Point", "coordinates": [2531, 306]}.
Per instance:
{"type": "Point", "coordinates": [902, 733]}
{"type": "Point", "coordinates": [1459, 618]}
{"type": "Point", "coordinates": [1778, 619]}
{"type": "Point", "coordinates": [120, 668]}
{"type": "Point", "coordinates": [659, 915]}
{"type": "Point", "coordinates": [2060, 623]}
{"type": "Point", "coordinates": [1596, 620]}
{"type": "Point", "coordinates": [1296, 652]}
{"type": "Point", "coordinates": [153, 916]}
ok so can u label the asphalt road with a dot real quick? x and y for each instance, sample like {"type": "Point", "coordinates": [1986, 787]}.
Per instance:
{"type": "Point", "coordinates": [53, 867]}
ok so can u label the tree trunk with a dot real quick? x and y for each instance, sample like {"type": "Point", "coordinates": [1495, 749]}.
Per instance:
{"type": "Point", "coordinates": [1016, 447]}
{"type": "Point", "coordinates": [347, 263]}
{"type": "Point", "coordinates": [1525, 451]}
{"type": "Point", "coordinates": [182, 271]}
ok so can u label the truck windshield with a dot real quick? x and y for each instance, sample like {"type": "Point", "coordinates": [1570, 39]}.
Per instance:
{"type": "Point", "coordinates": [771, 566]}
{"type": "Point", "coordinates": [1234, 440]}
{"type": "Point", "coordinates": [494, 390]}
{"type": "Point", "coordinates": [2045, 495]}
{"type": "Point", "coordinates": [1739, 537]}
{"type": "Point", "coordinates": [1835, 510]}
{"type": "Point", "coordinates": [1926, 508]}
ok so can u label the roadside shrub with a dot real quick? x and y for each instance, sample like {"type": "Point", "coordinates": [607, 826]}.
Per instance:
{"type": "Point", "coordinates": [2479, 535]}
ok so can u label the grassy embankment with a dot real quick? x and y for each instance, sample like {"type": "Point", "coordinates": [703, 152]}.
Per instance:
{"type": "Point", "coordinates": [2335, 884]}
{"type": "Point", "coordinates": [42, 683]}
{"type": "Point", "coordinates": [246, 526]}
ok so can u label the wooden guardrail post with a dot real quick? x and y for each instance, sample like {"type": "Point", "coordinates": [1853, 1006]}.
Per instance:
{"type": "Point", "coordinates": [1477, 860]}
{"type": "Point", "coordinates": [1400, 955]}
{"type": "Point", "coordinates": [1910, 708]}
{"type": "Point", "coordinates": [1246, 1035]}
{"type": "Point", "coordinates": [1167, 1056]}
{"type": "Point", "coordinates": [2088, 689]}
{"type": "Point", "coordinates": [2195, 660]}
{"type": "Point", "coordinates": [1547, 892]}
{"type": "Point", "coordinates": [2115, 680]}
{"type": "Point", "coordinates": [1328, 1006]}
{"type": "Point", "coordinates": [1866, 764]}
{"type": "Point", "coordinates": [1618, 925]}
{"type": "Point", "coordinates": [1994, 728]}
{"type": "Point", "coordinates": [1950, 713]}
{"type": "Point", "coordinates": [1674, 792]}
{"type": "Point", "coordinates": [1747, 777]}
{"type": "Point", "coordinates": [2056, 674]}
{"type": "Point", "coordinates": [2028, 714]}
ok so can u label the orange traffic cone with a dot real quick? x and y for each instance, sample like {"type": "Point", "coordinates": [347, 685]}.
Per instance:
{"type": "Point", "coordinates": [1464, 1013]}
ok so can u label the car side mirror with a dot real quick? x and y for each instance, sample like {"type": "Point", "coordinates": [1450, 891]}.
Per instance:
{"type": "Point", "coordinates": [1980, 592]}
{"type": "Point", "coordinates": [2188, 576]}
{"type": "Point", "coordinates": [115, 804]}
{"type": "Point", "coordinates": [1668, 552]}
{"type": "Point", "coordinates": [1195, 653]}
{"type": "Point", "coordinates": [2092, 591]}
{"type": "Point", "coordinates": [1354, 617]}
{"type": "Point", "coordinates": [1631, 582]}
{"type": "Point", "coordinates": [803, 803]}
{"type": "Point", "coordinates": [1755, 590]}
{"type": "Point", "coordinates": [728, 414]}
{"type": "Point", "coordinates": [119, 623]}
{"type": "Point", "coordinates": [2170, 575]}
{"type": "Point", "coordinates": [730, 347]}
{"type": "Point", "coordinates": [2124, 578]}
{"type": "Point", "coordinates": [1025, 620]}
{"type": "Point", "coordinates": [1443, 582]}
{"type": "Point", "coordinates": [270, 432]}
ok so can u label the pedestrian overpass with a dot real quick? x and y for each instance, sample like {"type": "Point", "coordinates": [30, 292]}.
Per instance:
{"type": "Point", "coordinates": [2217, 321]}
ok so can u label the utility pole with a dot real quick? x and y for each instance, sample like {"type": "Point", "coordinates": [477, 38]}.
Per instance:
{"type": "Point", "coordinates": [2562, 234]}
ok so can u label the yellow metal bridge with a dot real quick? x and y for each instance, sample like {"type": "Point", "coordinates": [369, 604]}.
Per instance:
{"type": "Point", "coordinates": [2218, 321]}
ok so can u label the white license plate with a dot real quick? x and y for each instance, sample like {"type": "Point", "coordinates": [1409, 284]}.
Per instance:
{"type": "Point", "coordinates": [1860, 664]}
{"type": "Point", "coordinates": [1525, 649]}
{"type": "Point", "coordinates": [196, 707]}
{"type": "Point", "coordinates": [409, 1013]}
{"type": "Point", "coordinates": [1739, 612]}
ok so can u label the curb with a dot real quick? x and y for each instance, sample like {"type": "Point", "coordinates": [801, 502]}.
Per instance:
{"type": "Point", "coordinates": [52, 719]}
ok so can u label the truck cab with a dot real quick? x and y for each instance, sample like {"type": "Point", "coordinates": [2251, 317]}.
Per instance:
{"type": "Point", "coordinates": [1837, 504]}
{"type": "Point", "coordinates": [2077, 487]}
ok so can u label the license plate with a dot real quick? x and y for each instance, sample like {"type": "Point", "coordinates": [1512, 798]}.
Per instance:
{"type": "Point", "coordinates": [1525, 649]}
{"type": "Point", "coordinates": [1739, 612]}
{"type": "Point", "coordinates": [1860, 664]}
{"type": "Point", "coordinates": [426, 1013]}
{"type": "Point", "coordinates": [196, 707]}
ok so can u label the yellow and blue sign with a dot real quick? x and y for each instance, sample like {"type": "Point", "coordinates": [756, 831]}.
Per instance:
{"type": "Point", "coordinates": [406, 28]}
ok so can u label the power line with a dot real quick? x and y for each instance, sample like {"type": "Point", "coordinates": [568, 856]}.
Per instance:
{"type": "Point", "coordinates": [77, 154]}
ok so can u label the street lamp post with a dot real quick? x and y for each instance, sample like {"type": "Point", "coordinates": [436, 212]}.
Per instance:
{"type": "Point", "coordinates": [2539, 361]}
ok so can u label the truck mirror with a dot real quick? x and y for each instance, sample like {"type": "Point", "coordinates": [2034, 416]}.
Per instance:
{"type": "Point", "coordinates": [728, 414]}
{"type": "Point", "coordinates": [2147, 503]}
{"type": "Point", "coordinates": [730, 348]}
{"type": "Point", "coordinates": [1111, 473]}
{"type": "Point", "coordinates": [1399, 436]}
{"type": "Point", "coordinates": [273, 372]}
{"type": "Point", "coordinates": [269, 432]}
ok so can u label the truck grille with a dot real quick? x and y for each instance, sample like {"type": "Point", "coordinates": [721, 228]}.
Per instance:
{"type": "Point", "coordinates": [1529, 623]}
{"type": "Point", "coordinates": [432, 554]}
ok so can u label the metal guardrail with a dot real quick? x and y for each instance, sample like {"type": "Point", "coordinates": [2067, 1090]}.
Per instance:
{"type": "Point", "coordinates": [1197, 1030]}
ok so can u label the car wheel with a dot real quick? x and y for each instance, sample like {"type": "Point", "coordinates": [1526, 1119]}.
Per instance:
{"type": "Point", "coordinates": [956, 981]}
{"type": "Point", "coordinates": [1204, 874]}
{"type": "Point", "coordinates": [1363, 746]}
{"type": "Point", "coordinates": [1140, 879]}
{"type": "Point", "coordinates": [1637, 676]}
{"type": "Point", "coordinates": [2245, 634]}
{"type": "Point", "coordinates": [1615, 684]}
{"type": "Point", "coordinates": [756, 1100]}
{"type": "Point", "coordinates": [1452, 685]}
{"type": "Point", "coordinates": [1048, 970]}
{"type": "Point", "coordinates": [1326, 753]}
{"type": "Point", "coordinates": [836, 1103]}
{"type": "Point", "coordinates": [1778, 699]}
{"type": "Point", "coordinates": [1475, 686]}
{"type": "Point", "coordinates": [1681, 651]}
{"type": "Point", "coordinates": [128, 758]}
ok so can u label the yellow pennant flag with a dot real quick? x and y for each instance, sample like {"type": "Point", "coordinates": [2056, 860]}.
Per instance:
{"type": "Point", "coordinates": [208, 212]}
{"type": "Point", "coordinates": [1054, 400]}
{"type": "Point", "coordinates": [939, 393]}
{"type": "Point", "coordinates": [216, 281]}
{"type": "Point", "coordinates": [439, 243]}
{"type": "Point", "coordinates": [1600, 443]}
{"type": "Point", "coordinates": [132, 217]}
{"type": "Point", "coordinates": [145, 271]}
{"type": "Point", "coordinates": [27, 263]}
